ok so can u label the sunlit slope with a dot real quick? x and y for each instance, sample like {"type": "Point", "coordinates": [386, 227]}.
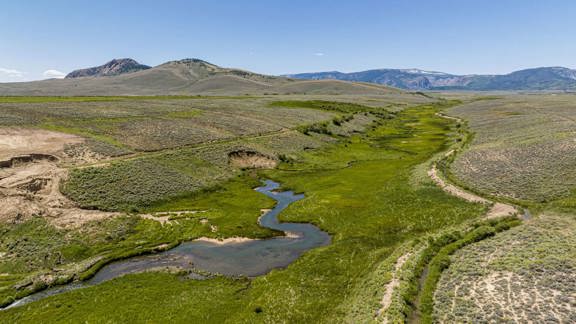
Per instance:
{"type": "Point", "coordinates": [185, 77]}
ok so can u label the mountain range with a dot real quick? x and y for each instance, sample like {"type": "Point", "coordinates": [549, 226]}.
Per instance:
{"type": "Point", "coordinates": [182, 77]}
{"type": "Point", "coordinates": [544, 78]}
{"type": "Point", "coordinates": [194, 76]}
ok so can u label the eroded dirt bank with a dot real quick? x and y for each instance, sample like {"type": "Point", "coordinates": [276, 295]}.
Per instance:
{"type": "Point", "coordinates": [30, 177]}
{"type": "Point", "coordinates": [23, 141]}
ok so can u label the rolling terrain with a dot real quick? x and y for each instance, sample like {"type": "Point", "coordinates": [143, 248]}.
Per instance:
{"type": "Point", "coordinates": [183, 77]}
{"type": "Point", "coordinates": [521, 153]}
{"type": "Point", "coordinates": [331, 156]}
{"type": "Point", "coordinates": [166, 162]}
{"type": "Point", "coordinates": [545, 78]}
{"type": "Point", "coordinates": [420, 196]}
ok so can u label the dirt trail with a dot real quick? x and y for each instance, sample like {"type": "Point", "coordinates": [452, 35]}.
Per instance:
{"type": "Point", "coordinates": [393, 284]}
{"type": "Point", "coordinates": [30, 177]}
{"type": "Point", "coordinates": [496, 210]}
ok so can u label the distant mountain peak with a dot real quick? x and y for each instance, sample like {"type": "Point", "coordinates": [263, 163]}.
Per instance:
{"type": "Point", "coordinates": [111, 68]}
{"type": "Point", "coordinates": [542, 78]}
{"type": "Point", "coordinates": [418, 71]}
{"type": "Point", "coordinates": [191, 61]}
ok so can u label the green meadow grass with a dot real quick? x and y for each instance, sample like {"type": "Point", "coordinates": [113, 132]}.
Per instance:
{"type": "Point", "coordinates": [40, 246]}
{"type": "Point", "coordinates": [360, 190]}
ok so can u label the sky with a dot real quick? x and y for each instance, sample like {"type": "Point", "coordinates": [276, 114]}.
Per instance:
{"type": "Point", "coordinates": [45, 39]}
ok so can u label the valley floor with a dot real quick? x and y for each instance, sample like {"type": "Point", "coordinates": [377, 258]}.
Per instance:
{"type": "Point", "coordinates": [403, 191]}
{"type": "Point", "coordinates": [361, 189]}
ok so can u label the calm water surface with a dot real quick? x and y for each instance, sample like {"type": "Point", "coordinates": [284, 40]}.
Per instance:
{"type": "Point", "coordinates": [251, 258]}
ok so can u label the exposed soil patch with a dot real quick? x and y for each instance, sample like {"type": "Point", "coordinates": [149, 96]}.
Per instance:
{"type": "Point", "coordinates": [30, 181]}
{"type": "Point", "coordinates": [234, 240]}
{"type": "Point", "coordinates": [28, 158]}
{"type": "Point", "coordinates": [165, 217]}
{"type": "Point", "coordinates": [497, 209]}
{"type": "Point", "coordinates": [25, 141]}
{"type": "Point", "coordinates": [452, 189]}
{"type": "Point", "coordinates": [251, 160]}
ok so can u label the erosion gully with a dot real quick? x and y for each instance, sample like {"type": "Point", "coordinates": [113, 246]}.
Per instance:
{"type": "Point", "coordinates": [249, 258]}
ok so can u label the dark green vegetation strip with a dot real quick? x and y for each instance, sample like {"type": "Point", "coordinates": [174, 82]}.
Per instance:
{"type": "Point", "coordinates": [345, 110]}
{"type": "Point", "coordinates": [359, 190]}
{"type": "Point", "coordinates": [340, 107]}
{"type": "Point", "coordinates": [440, 250]}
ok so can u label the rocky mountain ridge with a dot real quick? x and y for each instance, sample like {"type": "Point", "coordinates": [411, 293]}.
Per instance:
{"type": "Point", "coordinates": [544, 78]}
{"type": "Point", "coordinates": [111, 68]}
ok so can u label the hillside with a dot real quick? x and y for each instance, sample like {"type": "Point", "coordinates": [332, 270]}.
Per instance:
{"type": "Point", "coordinates": [545, 78]}
{"type": "Point", "coordinates": [112, 68]}
{"type": "Point", "coordinates": [183, 77]}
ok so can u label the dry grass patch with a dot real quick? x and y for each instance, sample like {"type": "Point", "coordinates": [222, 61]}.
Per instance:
{"type": "Point", "coordinates": [524, 147]}
{"type": "Point", "coordinates": [526, 274]}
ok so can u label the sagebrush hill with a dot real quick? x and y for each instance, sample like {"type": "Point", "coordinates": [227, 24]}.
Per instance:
{"type": "Point", "coordinates": [182, 77]}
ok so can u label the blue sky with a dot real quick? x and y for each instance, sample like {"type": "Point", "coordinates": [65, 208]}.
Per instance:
{"type": "Point", "coordinates": [40, 39]}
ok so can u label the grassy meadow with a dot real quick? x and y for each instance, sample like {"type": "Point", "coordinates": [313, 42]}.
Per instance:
{"type": "Point", "coordinates": [366, 188]}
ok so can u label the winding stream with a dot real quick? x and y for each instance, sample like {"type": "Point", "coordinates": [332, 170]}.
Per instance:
{"type": "Point", "coordinates": [249, 258]}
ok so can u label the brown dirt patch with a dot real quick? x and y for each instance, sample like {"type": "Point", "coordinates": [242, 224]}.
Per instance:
{"type": "Point", "coordinates": [251, 160]}
{"type": "Point", "coordinates": [230, 240]}
{"type": "Point", "coordinates": [497, 209]}
{"type": "Point", "coordinates": [22, 141]}
{"type": "Point", "coordinates": [452, 189]}
{"type": "Point", "coordinates": [30, 178]}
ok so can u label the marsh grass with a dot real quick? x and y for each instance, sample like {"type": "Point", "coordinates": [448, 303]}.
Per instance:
{"type": "Point", "coordinates": [358, 189]}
